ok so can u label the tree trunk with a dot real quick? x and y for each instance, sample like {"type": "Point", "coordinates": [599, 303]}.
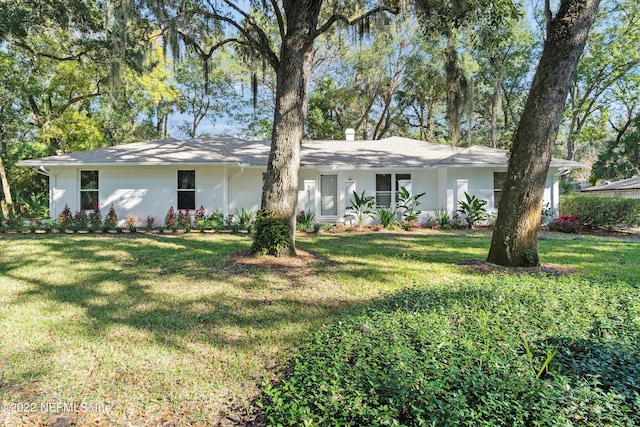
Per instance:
{"type": "Point", "coordinates": [8, 208]}
{"type": "Point", "coordinates": [514, 241]}
{"type": "Point", "coordinates": [280, 189]}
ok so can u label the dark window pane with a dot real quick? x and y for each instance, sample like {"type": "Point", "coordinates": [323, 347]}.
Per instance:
{"type": "Point", "coordinates": [187, 200]}
{"type": "Point", "coordinates": [186, 180]}
{"type": "Point", "coordinates": [383, 182]}
{"type": "Point", "coordinates": [498, 180]}
{"type": "Point", "coordinates": [89, 200]}
{"type": "Point", "coordinates": [89, 180]}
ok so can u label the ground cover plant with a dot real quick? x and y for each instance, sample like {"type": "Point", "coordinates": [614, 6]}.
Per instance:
{"type": "Point", "coordinates": [173, 329]}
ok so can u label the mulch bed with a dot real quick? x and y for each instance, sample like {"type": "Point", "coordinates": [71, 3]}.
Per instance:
{"type": "Point", "coordinates": [546, 269]}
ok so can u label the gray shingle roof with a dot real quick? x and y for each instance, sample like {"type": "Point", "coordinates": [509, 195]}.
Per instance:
{"type": "Point", "coordinates": [623, 184]}
{"type": "Point", "coordinates": [394, 152]}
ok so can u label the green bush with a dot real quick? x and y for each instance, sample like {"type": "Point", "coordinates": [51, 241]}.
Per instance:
{"type": "Point", "coordinates": [600, 211]}
{"type": "Point", "coordinates": [271, 236]}
{"type": "Point", "coordinates": [388, 217]}
{"type": "Point", "coordinates": [454, 358]}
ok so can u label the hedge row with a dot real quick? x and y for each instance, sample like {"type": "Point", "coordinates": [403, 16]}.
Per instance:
{"type": "Point", "coordinates": [597, 212]}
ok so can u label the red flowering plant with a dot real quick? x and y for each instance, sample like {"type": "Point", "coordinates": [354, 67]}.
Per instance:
{"type": "Point", "coordinates": [184, 219]}
{"type": "Point", "coordinates": [565, 224]}
{"type": "Point", "coordinates": [170, 219]}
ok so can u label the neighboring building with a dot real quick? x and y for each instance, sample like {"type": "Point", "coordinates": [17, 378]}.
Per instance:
{"type": "Point", "coordinates": [629, 187]}
{"type": "Point", "coordinates": [225, 173]}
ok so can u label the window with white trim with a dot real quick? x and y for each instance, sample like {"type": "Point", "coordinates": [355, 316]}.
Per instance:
{"type": "Point", "coordinates": [89, 190]}
{"type": "Point", "coordinates": [187, 189]}
{"type": "Point", "coordinates": [385, 192]}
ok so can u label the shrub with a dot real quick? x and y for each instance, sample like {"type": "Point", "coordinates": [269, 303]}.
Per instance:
{"type": "Point", "coordinates": [150, 222]}
{"type": "Point", "coordinates": [473, 209]}
{"type": "Point", "coordinates": [132, 222]}
{"type": "Point", "coordinates": [601, 212]}
{"type": "Point", "coordinates": [442, 217]}
{"type": "Point", "coordinates": [387, 217]}
{"type": "Point", "coordinates": [184, 220]}
{"type": "Point", "coordinates": [95, 219]}
{"type": "Point", "coordinates": [111, 220]}
{"type": "Point", "coordinates": [305, 220]}
{"type": "Point", "coordinates": [65, 219]}
{"type": "Point", "coordinates": [408, 204]}
{"type": "Point", "coordinates": [272, 235]}
{"type": "Point", "coordinates": [170, 219]}
{"type": "Point", "coordinates": [361, 208]}
{"type": "Point", "coordinates": [216, 220]}
{"type": "Point", "coordinates": [565, 224]}
{"type": "Point", "coordinates": [245, 219]}
{"type": "Point", "coordinates": [81, 220]}
{"type": "Point", "coordinates": [199, 215]}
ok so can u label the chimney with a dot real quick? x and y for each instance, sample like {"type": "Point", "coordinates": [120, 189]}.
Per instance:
{"type": "Point", "coordinates": [350, 134]}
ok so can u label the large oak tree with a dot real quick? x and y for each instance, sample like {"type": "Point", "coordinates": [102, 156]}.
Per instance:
{"type": "Point", "coordinates": [283, 34]}
{"type": "Point", "coordinates": [514, 241]}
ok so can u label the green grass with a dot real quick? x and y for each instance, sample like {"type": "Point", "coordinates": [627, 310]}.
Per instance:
{"type": "Point", "coordinates": [165, 328]}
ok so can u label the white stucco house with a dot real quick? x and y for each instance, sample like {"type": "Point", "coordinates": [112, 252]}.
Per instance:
{"type": "Point", "coordinates": [225, 173]}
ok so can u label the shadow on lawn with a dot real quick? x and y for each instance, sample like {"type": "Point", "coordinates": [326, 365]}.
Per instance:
{"type": "Point", "coordinates": [170, 287]}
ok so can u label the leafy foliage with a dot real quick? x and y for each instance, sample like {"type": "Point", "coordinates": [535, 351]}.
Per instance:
{"type": "Point", "coordinates": [388, 217]}
{"type": "Point", "coordinates": [65, 218]}
{"type": "Point", "coordinates": [473, 209]}
{"type": "Point", "coordinates": [565, 224]}
{"type": "Point", "coordinates": [272, 235]}
{"type": "Point", "coordinates": [601, 212]}
{"type": "Point", "coordinates": [420, 357]}
{"type": "Point", "coordinates": [305, 220]}
{"type": "Point", "coordinates": [361, 207]}
{"type": "Point", "coordinates": [409, 204]}
{"type": "Point", "coordinates": [111, 219]}
{"type": "Point", "coordinates": [170, 219]}
{"type": "Point", "coordinates": [619, 158]}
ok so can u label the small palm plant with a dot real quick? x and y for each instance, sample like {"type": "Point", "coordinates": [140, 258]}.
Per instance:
{"type": "Point", "coordinates": [473, 209]}
{"type": "Point", "coordinates": [388, 217]}
{"type": "Point", "coordinates": [361, 208]}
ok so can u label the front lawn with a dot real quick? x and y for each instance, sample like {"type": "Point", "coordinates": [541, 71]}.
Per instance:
{"type": "Point", "coordinates": [149, 330]}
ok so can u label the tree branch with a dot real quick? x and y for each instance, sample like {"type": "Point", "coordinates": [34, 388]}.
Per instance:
{"type": "Point", "coordinates": [343, 18]}
{"type": "Point", "coordinates": [35, 53]}
{"type": "Point", "coordinates": [261, 44]}
{"type": "Point", "coordinates": [279, 18]}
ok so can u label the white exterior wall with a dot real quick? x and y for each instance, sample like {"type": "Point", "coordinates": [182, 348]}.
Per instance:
{"type": "Point", "coordinates": [151, 190]}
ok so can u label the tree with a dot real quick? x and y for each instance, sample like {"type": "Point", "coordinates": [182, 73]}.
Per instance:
{"type": "Point", "coordinates": [289, 51]}
{"type": "Point", "coordinates": [611, 59]}
{"type": "Point", "coordinates": [620, 157]}
{"type": "Point", "coordinates": [514, 241]}
{"type": "Point", "coordinates": [200, 99]}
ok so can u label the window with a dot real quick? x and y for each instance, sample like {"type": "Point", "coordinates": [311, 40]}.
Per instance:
{"type": "Point", "coordinates": [88, 190]}
{"type": "Point", "coordinates": [498, 183]}
{"type": "Point", "coordinates": [187, 190]}
{"type": "Point", "coordinates": [329, 195]}
{"type": "Point", "coordinates": [383, 190]}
